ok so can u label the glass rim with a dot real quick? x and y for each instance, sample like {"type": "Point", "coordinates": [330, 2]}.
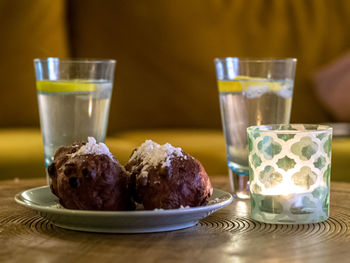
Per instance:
{"type": "Point", "coordinates": [257, 60]}
{"type": "Point", "coordinates": [75, 60]}
{"type": "Point", "coordinates": [268, 128]}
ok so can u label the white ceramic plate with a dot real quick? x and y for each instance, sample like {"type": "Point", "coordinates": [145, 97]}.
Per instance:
{"type": "Point", "coordinates": [46, 204]}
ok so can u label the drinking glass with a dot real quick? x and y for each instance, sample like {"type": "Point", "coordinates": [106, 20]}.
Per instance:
{"type": "Point", "coordinates": [251, 92]}
{"type": "Point", "coordinates": [74, 97]}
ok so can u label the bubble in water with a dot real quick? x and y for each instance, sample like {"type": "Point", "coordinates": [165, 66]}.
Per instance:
{"type": "Point", "coordinates": [255, 91]}
{"type": "Point", "coordinates": [286, 91]}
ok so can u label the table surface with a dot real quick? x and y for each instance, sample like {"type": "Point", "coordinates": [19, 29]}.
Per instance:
{"type": "Point", "coordinates": [225, 236]}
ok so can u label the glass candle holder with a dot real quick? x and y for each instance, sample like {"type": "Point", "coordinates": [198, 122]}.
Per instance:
{"type": "Point", "coordinates": [289, 170]}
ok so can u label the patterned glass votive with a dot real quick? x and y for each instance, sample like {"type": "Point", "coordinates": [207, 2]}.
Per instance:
{"type": "Point", "coordinates": [289, 170]}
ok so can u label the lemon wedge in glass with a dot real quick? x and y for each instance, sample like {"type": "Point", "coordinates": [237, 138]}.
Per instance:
{"type": "Point", "coordinates": [64, 86]}
{"type": "Point", "coordinates": [242, 83]}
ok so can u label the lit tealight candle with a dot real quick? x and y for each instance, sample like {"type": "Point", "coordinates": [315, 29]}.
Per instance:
{"type": "Point", "coordinates": [289, 170]}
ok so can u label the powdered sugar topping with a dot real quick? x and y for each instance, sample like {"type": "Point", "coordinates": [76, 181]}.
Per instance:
{"type": "Point", "coordinates": [153, 154]}
{"type": "Point", "coordinates": [91, 147]}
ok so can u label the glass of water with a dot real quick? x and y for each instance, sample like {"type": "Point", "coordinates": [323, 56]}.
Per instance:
{"type": "Point", "coordinates": [251, 92]}
{"type": "Point", "coordinates": [74, 97]}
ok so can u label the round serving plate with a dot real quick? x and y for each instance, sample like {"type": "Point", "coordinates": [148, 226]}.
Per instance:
{"type": "Point", "coordinates": [46, 204]}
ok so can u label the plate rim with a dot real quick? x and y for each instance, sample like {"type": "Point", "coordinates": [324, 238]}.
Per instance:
{"type": "Point", "coordinates": [73, 212]}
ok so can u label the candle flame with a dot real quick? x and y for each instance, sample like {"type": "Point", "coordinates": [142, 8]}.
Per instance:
{"type": "Point", "coordinates": [284, 189]}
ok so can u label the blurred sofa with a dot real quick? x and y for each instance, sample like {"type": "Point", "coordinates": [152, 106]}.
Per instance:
{"type": "Point", "coordinates": [165, 86]}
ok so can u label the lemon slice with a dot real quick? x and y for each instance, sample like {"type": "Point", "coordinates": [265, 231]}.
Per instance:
{"type": "Point", "coordinates": [64, 86]}
{"type": "Point", "coordinates": [229, 86]}
{"type": "Point", "coordinates": [243, 82]}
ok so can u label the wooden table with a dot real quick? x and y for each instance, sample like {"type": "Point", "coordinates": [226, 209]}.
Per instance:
{"type": "Point", "coordinates": [226, 236]}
